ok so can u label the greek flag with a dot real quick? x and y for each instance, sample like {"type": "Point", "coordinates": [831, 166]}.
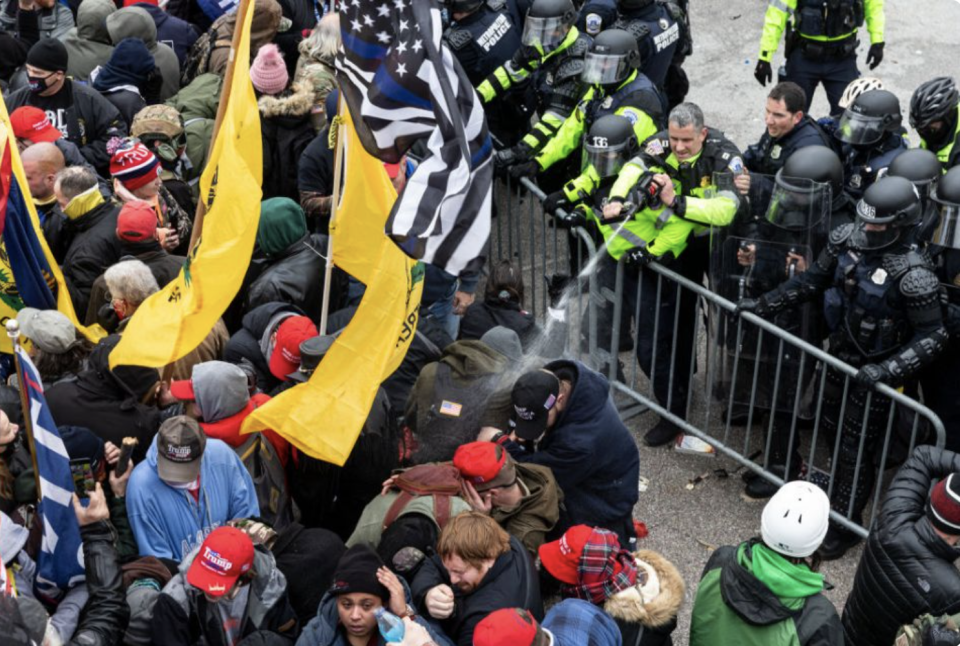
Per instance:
{"type": "Point", "coordinates": [401, 85]}
{"type": "Point", "coordinates": [60, 562]}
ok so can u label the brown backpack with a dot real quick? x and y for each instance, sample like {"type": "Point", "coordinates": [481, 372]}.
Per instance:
{"type": "Point", "coordinates": [442, 481]}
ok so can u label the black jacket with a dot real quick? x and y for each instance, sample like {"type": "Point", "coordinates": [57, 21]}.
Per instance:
{"type": "Point", "coordinates": [906, 569]}
{"type": "Point", "coordinates": [91, 121]}
{"type": "Point", "coordinates": [286, 131]}
{"type": "Point", "coordinates": [106, 613]}
{"type": "Point", "coordinates": [295, 276]}
{"type": "Point", "coordinates": [481, 317]}
{"type": "Point", "coordinates": [512, 582]}
{"type": "Point", "coordinates": [108, 402]}
{"type": "Point", "coordinates": [769, 154]}
{"type": "Point", "coordinates": [93, 247]}
{"type": "Point", "coordinates": [245, 344]}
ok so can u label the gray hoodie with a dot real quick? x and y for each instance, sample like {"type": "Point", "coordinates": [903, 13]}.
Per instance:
{"type": "Point", "coordinates": [88, 44]}
{"type": "Point", "coordinates": [134, 22]}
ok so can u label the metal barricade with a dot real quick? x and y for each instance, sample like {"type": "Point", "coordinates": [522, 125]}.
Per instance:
{"type": "Point", "coordinates": [804, 402]}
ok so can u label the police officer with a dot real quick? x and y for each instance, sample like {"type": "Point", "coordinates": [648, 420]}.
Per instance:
{"type": "Point", "coordinates": [821, 43]}
{"type": "Point", "coordinates": [675, 174]}
{"type": "Point", "coordinates": [657, 33]}
{"type": "Point", "coordinates": [616, 87]}
{"type": "Point", "coordinates": [923, 170]}
{"type": "Point", "coordinates": [552, 56]}
{"type": "Point", "coordinates": [933, 114]}
{"type": "Point", "coordinates": [871, 135]}
{"type": "Point", "coordinates": [938, 381]}
{"type": "Point", "coordinates": [788, 129]}
{"type": "Point", "coordinates": [483, 36]}
{"type": "Point", "coordinates": [882, 306]}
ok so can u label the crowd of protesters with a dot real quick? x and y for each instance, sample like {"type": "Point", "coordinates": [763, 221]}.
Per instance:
{"type": "Point", "coordinates": [490, 497]}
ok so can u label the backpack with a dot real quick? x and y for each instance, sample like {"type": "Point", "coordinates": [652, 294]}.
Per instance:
{"type": "Point", "coordinates": [442, 481]}
{"type": "Point", "coordinates": [197, 61]}
{"type": "Point", "coordinates": [269, 481]}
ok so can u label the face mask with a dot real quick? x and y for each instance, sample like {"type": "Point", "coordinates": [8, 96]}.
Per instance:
{"type": "Point", "coordinates": [38, 83]}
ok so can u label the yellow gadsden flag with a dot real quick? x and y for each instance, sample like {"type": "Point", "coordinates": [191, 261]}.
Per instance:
{"type": "Point", "coordinates": [324, 417]}
{"type": "Point", "coordinates": [173, 322]}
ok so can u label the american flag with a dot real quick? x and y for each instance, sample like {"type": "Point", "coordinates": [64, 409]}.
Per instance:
{"type": "Point", "coordinates": [60, 561]}
{"type": "Point", "coordinates": [402, 84]}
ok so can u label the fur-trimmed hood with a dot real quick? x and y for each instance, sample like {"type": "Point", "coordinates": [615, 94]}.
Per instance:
{"type": "Point", "coordinates": [296, 103]}
{"type": "Point", "coordinates": [629, 605]}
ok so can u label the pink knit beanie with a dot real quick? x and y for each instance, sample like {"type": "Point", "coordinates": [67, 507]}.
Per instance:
{"type": "Point", "coordinates": [268, 72]}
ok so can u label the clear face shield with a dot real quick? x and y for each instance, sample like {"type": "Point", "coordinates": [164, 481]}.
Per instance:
{"type": "Point", "coordinates": [947, 231]}
{"type": "Point", "coordinates": [606, 160]}
{"type": "Point", "coordinates": [798, 205]}
{"type": "Point", "coordinates": [871, 234]}
{"type": "Point", "coordinates": [544, 34]}
{"type": "Point", "coordinates": [860, 130]}
{"type": "Point", "coordinates": [602, 69]}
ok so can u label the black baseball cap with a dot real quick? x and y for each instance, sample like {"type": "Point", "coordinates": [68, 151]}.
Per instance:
{"type": "Point", "coordinates": [534, 394]}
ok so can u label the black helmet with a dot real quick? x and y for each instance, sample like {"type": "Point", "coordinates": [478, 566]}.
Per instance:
{"type": "Point", "coordinates": [947, 199]}
{"type": "Point", "coordinates": [890, 201]}
{"type": "Point", "coordinates": [610, 143]}
{"type": "Point", "coordinates": [815, 163]}
{"type": "Point", "coordinates": [611, 57]}
{"type": "Point", "coordinates": [548, 23]}
{"type": "Point", "coordinates": [933, 101]}
{"type": "Point", "coordinates": [918, 165]}
{"type": "Point", "coordinates": [462, 6]}
{"type": "Point", "coordinates": [633, 5]}
{"type": "Point", "coordinates": [869, 118]}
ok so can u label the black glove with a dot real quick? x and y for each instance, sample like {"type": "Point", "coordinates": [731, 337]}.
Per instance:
{"type": "Point", "coordinates": [575, 218]}
{"type": "Point", "coordinates": [639, 257]}
{"type": "Point", "coordinates": [763, 73]}
{"type": "Point", "coordinates": [504, 159]}
{"type": "Point", "coordinates": [524, 169]}
{"type": "Point", "coordinates": [871, 373]}
{"type": "Point", "coordinates": [875, 55]}
{"type": "Point", "coordinates": [940, 635]}
{"type": "Point", "coordinates": [554, 201]}
{"type": "Point", "coordinates": [557, 285]}
{"type": "Point", "coordinates": [757, 306]}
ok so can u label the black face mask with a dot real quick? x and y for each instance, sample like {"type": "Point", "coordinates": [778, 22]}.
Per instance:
{"type": "Point", "coordinates": [38, 83]}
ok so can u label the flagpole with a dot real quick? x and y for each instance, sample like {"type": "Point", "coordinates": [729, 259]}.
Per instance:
{"type": "Point", "coordinates": [335, 200]}
{"type": "Point", "coordinates": [13, 331]}
{"type": "Point", "coordinates": [221, 110]}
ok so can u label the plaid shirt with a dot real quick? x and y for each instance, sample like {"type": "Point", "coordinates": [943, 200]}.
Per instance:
{"type": "Point", "coordinates": [604, 570]}
{"type": "Point", "coordinates": [573, 622]}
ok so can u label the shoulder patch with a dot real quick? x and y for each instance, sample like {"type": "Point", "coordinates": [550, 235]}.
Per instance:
{"type": "Point", "coordinates": [458, 38]}
{"type": "Point", "coordinates": [842, 233]}
{"type": "Point", "coordinates": [638, 30]}
{"type": "Point", "coordinates": [919, 281]}
{"type": "Point", "coordinates": [654, 147]}
{"type": "Point", "coordinates": [593, 24]}
{"type": "Point", "coordinates": [631, 115]}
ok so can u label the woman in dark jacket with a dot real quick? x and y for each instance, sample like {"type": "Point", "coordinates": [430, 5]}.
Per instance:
{"type": "Point", "coordinates": [130, 79]}
{"type": "Point", "coordinates": [502, 305]}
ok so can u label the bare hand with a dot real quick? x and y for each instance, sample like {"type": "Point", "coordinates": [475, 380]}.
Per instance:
{"type": "Point", "coordinates": [487, 434]}
{"type": "Point", "coordinates": [398, 599]}
{"type": "Point", "coordinates": [413, 635]}
{"type": "Point", "coordinates": [97, 509]}
{"type": "Point", "coordinates": [461, 301]}
{"type": "Point", "coordinates": [164, 396]}
{"type": "Point", "coordinates": [799, 263]}
{"type": "Point", "coordinates": [747, 256]}
{"type": "Point", "coordinates": [170, 239]}
{"type": "Point", "coordinates": [118, 483]}
{"type": "Point", "coordinates": [612, 210]}
{"type": "Point", "coordinates": [27, 5]}
{"type": "Point", "coordinates": [667, 194]}
{"type": "Point", "coordinates": [439, 601]}
{"type": "Point", "coordinates": [389, 484]}
{"type": "Point", "coordinates": [111, 452]}
{"type": "Point", "coordinates": [742, 182]}
{"type": "Point", "coordinates": [480, 502]}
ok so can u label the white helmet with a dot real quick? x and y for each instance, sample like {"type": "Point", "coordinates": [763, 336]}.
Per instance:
{"type": "Point", "coordinates": [795, 520]}
{"type": "Point", "coordinates": [856, 87]}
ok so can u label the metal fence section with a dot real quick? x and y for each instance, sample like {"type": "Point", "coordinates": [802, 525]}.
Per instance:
{"type": "Point", "coordinates": [754, 391]}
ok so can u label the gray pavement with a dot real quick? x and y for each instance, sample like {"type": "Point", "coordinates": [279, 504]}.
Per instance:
{"type": "Point", "coordinates": [921, 44]}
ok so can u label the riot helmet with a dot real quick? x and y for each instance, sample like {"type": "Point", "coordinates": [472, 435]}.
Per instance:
{"type": "Point", "coordinates": [548, 23]}
{"type": "Point", "coordinates": [633, 5]}
{"type": "Point", "coordinates": [856, 87]}
{"type": "Point", "coordinates": [870, 118]}
{"type": "Point", "coordinates": [920, 166]}
{"type": "Point", "coordinates": [933, 108]}
{"type": "Point", "coordinates": [946, 197]}
{"type": "Point", "coordinates": [803, 189]}
{"type": "Point", "coordinates": [610, 143]}
{"type": "Point", "coordinates": [611, 58]}
{"type": "Point", "coordinates": [462, 6]}
{"type": "Point", "coordinates": [889, 210]}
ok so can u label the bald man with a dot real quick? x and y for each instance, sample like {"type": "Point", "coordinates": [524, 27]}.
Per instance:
{"type": "Point", "coordinates": [41, 163]}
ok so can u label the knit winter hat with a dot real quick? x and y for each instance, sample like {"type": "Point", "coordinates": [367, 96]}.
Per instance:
{"type": "Point", "coordinates": [943, 510]}
{"type": "Point", "coordinates": [131, 63]}
{"type": "Point", "coordinates": [268, 71]}
{"type": "Point", "coordinates": [357, 572]}
{"type": "Point", "coordinates": [282, 223]}
{"type": "Point", "coordinates": [49, 55]}
{"type": "Point", "coordinates": [134, 165]}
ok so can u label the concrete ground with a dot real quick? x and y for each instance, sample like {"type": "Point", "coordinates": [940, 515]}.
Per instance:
{"type": "Point", "coordinates": [684, 523]}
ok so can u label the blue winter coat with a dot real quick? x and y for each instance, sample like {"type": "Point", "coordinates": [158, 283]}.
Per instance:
{"type": "Point", "coordinates": [167, 522]}
{"type": "Point", "coordinates": [178, 34]}
{"type": "Point", "coordinates": [592, 454]}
